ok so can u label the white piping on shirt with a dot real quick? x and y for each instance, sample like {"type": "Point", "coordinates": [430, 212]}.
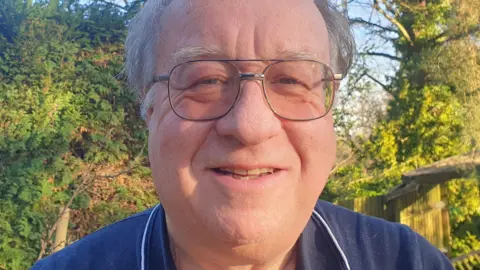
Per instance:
{"type": "Point", "coordinates": [333, 238]}
{"type": "Point", "coordinates": [142, 251]}
{"type": "Point", "coordinates": [340, 250]}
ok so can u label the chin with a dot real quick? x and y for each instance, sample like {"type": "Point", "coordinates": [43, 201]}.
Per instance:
{"type": "Point", "coordinates": [241, 227]}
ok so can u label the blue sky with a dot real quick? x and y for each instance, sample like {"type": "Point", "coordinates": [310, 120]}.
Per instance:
{"type": "Point", "coordinates": [379, 66]}
{"type": "Point", "coordinates": [362, 9]}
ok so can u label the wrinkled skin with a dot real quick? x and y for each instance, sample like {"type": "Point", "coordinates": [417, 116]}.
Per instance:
{"type": "Point", "coordinates": [210, 224]}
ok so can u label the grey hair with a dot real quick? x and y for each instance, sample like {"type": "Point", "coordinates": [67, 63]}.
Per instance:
{"type": "Point", "coordinates": [140, 45]}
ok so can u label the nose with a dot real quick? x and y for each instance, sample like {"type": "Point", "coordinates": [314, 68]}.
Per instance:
{"type": "Point", "coordinates": [250, 121]}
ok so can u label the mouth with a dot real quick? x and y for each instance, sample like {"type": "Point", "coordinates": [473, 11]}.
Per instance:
{"type": "Point", "coordinates": [245, 174]}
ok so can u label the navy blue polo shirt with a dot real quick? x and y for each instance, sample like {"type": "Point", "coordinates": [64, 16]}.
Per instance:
{"type": "Point", "coordinates": [334, 238]}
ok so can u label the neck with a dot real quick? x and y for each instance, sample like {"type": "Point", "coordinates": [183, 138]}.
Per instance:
{"type": "Point", "coordinates": [192, 253]}
{"type": "Point", "coordinates": [185, 260]}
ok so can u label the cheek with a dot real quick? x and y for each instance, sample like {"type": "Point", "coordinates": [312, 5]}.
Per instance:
{"type": "Point", "coordinates": [172, 140]}
{"type": "Point", "coordinates": [172, 145]}
{"type": "Point", "coordinates": [315, 143]}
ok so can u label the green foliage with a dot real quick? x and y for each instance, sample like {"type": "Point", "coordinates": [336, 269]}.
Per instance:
{"type": "Point", "coordinates": [423, 126]}
{"type": "Point", "coordinates": [433, 111]}
{"type": "Point", "coordinates": [65, 115]}
{"type": "Point", "coordinates": [63, 112]}
{"type": "Point", "coordinates": [464, 208]}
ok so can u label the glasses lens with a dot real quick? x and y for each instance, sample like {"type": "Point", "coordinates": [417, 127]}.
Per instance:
{"type": "Point", "coordinates": [299, 90]}
{"type": "Point", "coordinates": [203, 90]}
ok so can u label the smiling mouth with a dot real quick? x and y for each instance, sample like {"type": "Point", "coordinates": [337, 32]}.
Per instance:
{"type": "Point", "coordinates": [245, 174]}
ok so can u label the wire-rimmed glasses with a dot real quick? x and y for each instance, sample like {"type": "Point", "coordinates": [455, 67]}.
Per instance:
{"type": "Point", "coordinates": [204, 90]}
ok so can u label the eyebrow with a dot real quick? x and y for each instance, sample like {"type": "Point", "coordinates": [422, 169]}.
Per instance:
{"type": "Point", "coordinates": [296, 55]}
{"type": "Point", "coordinates": [197, 52]}
{"type": "Point", "coordinates": [210, 52]}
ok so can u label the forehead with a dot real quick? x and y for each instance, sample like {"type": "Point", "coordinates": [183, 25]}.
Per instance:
{"type": "Point", "coordinates": [247, 29]}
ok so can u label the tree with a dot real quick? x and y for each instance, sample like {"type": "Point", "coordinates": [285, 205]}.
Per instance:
{"type": "Point", "coordinates": [68, 123]}
{"type": "Point", "coordinates": [434, 95]}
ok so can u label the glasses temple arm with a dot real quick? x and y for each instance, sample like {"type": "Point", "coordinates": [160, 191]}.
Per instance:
{"type": "Point", "coordinates": [160, 78]}
{"type": "Point", "coordinates": [338, 77]}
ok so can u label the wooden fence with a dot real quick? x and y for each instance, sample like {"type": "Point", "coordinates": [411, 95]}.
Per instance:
{"type": "Point", "coordinates": [424, 211]}
{"type": "Point", "coordinates": [420, 202]}
{"type": "Point", "coordinates": [468, 261]}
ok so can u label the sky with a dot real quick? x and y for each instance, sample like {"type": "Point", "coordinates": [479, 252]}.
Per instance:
{"type": "Point", "coordinates": [362, 9]}
{"type": "Point", "coordinates": [379, 66]}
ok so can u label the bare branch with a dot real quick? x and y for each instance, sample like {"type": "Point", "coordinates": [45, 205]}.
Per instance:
{"type": "Point", "coordinates": [338, 165]}
{"type": "Point", "coordinates": [376, 81]}
{"type": "Point", "coordinates": [354, 21]}
{"type": "Point", "coordinates": [113, 4]}
{"type": "Point", "coordinates": [53, 227]}
{"type": "Point", "coordinates": [113, 176]}
{"type": "Point", "coordinates": [466, 256]}
{"type": "Point", "coordinates": [410, 8]}
{"type": "Point", "coordinates": [389, 7]}
{"type": "Point", "coordinates": [400, 27]}
{"type": "Point", "coordinates": [385, 87]}
{"type": "Point", "coordinates": [88, 178]}
{"type": "Point", "coordinates": [389, 56]}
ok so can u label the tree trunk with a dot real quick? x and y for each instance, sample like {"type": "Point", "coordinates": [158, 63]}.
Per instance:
{"type": "Point", "coordinates": [61, 230]}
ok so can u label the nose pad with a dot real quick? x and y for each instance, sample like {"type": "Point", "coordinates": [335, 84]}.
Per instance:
{"type": "Point", "coordinates": [251, 77]}
{"type": "Point", "coordinates": [250, 93]}
{"type": "Point", "coordinates": [255, 78]}
{"type": "Point", "coordinates": [247, 121]}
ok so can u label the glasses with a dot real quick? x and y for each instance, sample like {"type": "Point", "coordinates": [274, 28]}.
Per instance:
{"type": "Point", "coordinates": [297, 90]}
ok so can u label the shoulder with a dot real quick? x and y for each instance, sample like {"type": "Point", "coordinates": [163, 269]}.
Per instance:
{"type": "Point", "coordinates": [375, 243]}
{"type": "Point", "coordinates": [113, 247]}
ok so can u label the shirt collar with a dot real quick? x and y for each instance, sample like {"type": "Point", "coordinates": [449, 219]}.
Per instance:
{"type": "Point", "coordinates": [316, 248]}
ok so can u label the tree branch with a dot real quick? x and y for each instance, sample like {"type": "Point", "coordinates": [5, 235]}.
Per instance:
{"type": "Point", "coordinates": [471, 31]}
{"type": "Point", "coordinates": [362, 21]}
{"type": "Point", "coordinates": [88, 179]}
{"type": "Point", "coordinates": [389, 7]}
{"type": "Point", "coordinates": [78, 189]}
{"type": "Point", "coordinates": [113, 176]}
{"type": "Point", "coordinates": [400, 27]}
{"type": "Point", "coordinates": [376, 81]}
{"type": "Point", "coordinates": [112, 4]}
{"type": "Point", "coordinates": [385, 87]}
{"type": "Point", "coordinates": [466, 256]}
{"type": "Point", "coordinates": [135, 160]}
{"type": "Point", "coordinates": [341, 163]}
{"type": "Point", "coordinates": [389, 56]}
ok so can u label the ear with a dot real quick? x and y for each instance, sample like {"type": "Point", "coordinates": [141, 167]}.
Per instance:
{"type": "Point", "coordinates": [148, 103]}
{"type": "Point", "coordinates": [337, 81]}
{"type": "Point", "coordinates": [148, 115]}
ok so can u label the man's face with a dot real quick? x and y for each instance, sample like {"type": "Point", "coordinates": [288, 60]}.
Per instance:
{"type": "Point", "coordinates": [186, 156]}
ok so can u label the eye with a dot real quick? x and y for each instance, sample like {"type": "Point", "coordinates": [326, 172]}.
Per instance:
{"type": "Point", "coordinates": [288, 81]}
{"type": "Point", "coordinates": [207, 82]}
{"type": "Point", "coordinates": [210, 81]}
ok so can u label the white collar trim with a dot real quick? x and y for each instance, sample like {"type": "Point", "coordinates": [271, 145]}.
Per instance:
{"type": "Point", "coordinates": [315, 213]}
{"type": "Point", "coordinates": [332, 236]}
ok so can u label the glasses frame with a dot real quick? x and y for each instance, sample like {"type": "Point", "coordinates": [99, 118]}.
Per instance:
{"type": "Point", "coordinates": [248, 77]}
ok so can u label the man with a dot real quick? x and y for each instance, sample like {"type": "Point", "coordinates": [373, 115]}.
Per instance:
{"type": "Point", "coordinates": [237, 99]}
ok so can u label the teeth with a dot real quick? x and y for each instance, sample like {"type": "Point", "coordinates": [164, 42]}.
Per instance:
{"type": "Point", "coordinates": [248, 177]}
{"type": "Point", "coordinates": [240, 172]}
{"type": "Point", "coordinates": [265, 170]}
{"type": "Point", "coordinates": [248, 174]}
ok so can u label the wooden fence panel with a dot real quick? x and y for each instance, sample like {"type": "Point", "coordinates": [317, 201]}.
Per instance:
{"type": "Point", "coordinates": [425, 212]}
{"type": "Point", "coordinates": [372, 206]}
